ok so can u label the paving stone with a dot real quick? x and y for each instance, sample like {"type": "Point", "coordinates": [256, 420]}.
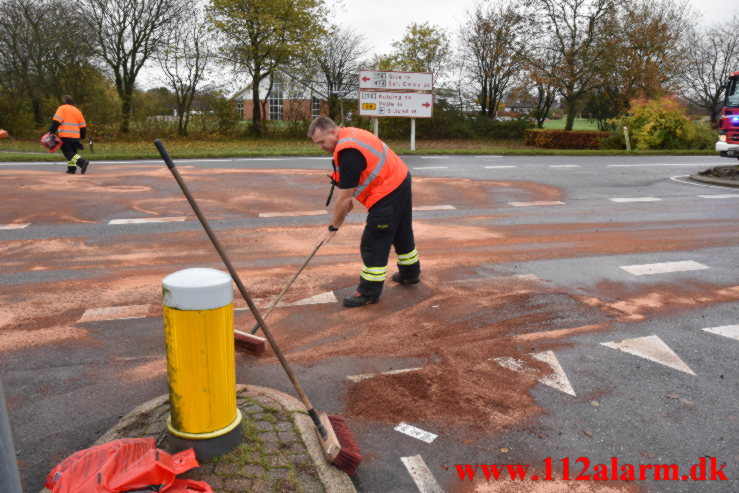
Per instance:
{"type": "Point", "coordinates": [288, 436]}
{"type": "Point", "coordinates": [284, 425]}
{"type": "Point", "coordinates": [261, 486]}
{"type": "Point", "coordinates": [271, 448]}
{"type": "Point", "coordinates": [226, 468]}
{"type": "Point", "coordinates": [309, 483]}
{"type": "Point", "coordinates": [264, 426]}
{"type": "Point", "coordinates": [253, 470]}
{"type": "Point", "coordinates": [213, 480]}
{"type": "Point", "coordinates": [238, 484]}
{"type": "Point", "coordinates": [269, 436]}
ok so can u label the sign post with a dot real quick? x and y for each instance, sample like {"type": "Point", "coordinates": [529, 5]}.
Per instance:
{"type": "Point", "coordinates": [396, 94]}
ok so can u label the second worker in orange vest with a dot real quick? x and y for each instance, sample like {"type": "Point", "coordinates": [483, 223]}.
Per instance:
{"type": "Point", "coordinates": [368, 170]}
{"type": "Point", "coordinates": [71, 125]}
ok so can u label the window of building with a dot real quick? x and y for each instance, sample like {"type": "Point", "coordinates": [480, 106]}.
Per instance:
{"type": "Point", "coordinates": [240, 108]}
{"type": "Point", "coordinates": [315, 107]}
{"type": "Point", "coordinates": [275, 102]}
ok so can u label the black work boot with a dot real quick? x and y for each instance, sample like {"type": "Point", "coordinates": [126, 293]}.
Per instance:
{"type": "Point", "coordinates": [71, 170]}
{"type": "Point", "coordinates": [82, 163]}
{"type": "Point", "coordinates": [358, 299]}
{"type": "Point", "coordinates": [411, 280]}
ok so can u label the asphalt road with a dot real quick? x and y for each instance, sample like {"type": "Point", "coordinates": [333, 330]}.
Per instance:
{"type": "Point", "coordinates": [610, 279]}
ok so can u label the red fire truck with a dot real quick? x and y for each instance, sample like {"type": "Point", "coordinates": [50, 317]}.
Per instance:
{"type": "Point", "coordinates": [728, 124]}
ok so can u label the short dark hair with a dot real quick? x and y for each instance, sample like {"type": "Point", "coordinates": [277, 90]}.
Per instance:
{"type": "Point", "coordinates": [67, 99]}
{"type": "Point", "coordinates": [320, 123]}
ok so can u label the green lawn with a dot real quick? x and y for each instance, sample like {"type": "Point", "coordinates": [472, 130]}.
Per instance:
{"type": "Point", "coordinates": [580, 124]}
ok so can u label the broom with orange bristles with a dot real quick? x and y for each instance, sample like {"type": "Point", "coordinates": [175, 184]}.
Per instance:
{"type": "Point", "coordinates": [337, 441]}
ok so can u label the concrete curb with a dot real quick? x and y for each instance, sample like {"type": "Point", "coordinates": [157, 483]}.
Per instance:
{"type": "Point", "coordinates": [153, 413]}
{"type": "Point", "coordinates": [715, 181]}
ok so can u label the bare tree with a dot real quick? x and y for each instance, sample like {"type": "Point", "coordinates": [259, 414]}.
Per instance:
{"type": "Point", "coordinates": [127, 33]}
{"type": "Point", "coordinates": [577, 28]}
{"type": "Point", "coordinates": [712, 55]}
{"type": "Point", "coordinates": [494, 48]}
{"type": "Point", "coordinates": [184, 62]}
{"type": "Point", "coordinates": [339, 59]}
{"type": "Point", "coordinates": [35, 62]}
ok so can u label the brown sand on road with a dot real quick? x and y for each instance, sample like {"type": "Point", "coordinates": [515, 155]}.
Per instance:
{"type": "Point", "coordinates": [462, 314]}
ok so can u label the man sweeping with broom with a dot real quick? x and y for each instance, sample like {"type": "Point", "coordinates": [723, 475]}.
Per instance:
{"type": "Point", "coordinates": [371, 172]}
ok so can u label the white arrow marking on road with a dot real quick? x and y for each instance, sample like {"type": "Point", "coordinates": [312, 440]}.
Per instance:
{"type": "Point", "coordinates": [293, 213]}
{"type": "Point", "coordinates": [651, 348]}
{"type": "Point", "coordinates": [15, 226]}
{"type": "Point", "coordinates": [636, 199]}
{"type": "Point", "coordinates": [557, 379]}
{"type": "Point", "coordinates": [530, 204]}
{"type": "Point", "coordinates": [115, 313]}
{"type": "Point", "coordinates": [731, 331]}
{"type": "Point", "coordinates": [365, 376]}
{"type": "Point", "coordinates": [147, 220]}
{"type": "Point", "coordinates": [414, 432]}
{"type": "Point", "coordinates": [434, 208]}
{"type": "Point", "coordinates": [663, 268]}
{"type": "Point", "coordinates": [421, 474]}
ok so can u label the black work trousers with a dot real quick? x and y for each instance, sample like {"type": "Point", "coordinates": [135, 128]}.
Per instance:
{"type": "Point", "coordinates": [389, 223]}
{"type": "Point", "coordinates": [69, 149]}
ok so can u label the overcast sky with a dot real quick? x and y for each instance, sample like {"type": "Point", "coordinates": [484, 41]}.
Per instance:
{"type": "Point", "coordinates": [384, 21]}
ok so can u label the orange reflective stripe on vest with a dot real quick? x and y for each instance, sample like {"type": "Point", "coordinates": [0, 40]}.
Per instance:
{"type": "Point", "coordinates": [70, 121]}
{"type": "Point", "coordinates": [385, 171]}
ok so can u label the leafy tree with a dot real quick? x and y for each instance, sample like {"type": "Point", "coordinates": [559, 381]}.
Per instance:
{"type": "Point", "coordinates": [184, 62]}
{"type": "Point", "coordinates": [264, 35]}
{"type": "Point", "coordinates": [712, 54]}
{"type": "Point", "coordinates": [493, 46]}
{"type": "Point", "coordinates": [423, 48]}
{"type": "Point", "coordinates": [126, 34]}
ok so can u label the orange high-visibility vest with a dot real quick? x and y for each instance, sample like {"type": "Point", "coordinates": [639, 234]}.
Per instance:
{"type": "Point", "coordinates": [385, 171]}
{"type": "Point", "coordinates": [70, 121]}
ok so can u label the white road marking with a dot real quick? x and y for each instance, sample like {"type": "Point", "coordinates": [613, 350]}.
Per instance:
{"type": "Point", "coordinates": [651, 348]}
{"type": "Point", "coordinates": [692, 182]}
{"type": "Point", "coordinates": [491, 156]}
{"type": "Point", "coordinates": [731, 331]}
{"type": "Point", "coordinates": [432, 167]}
{"type": "Point", "coordinates": [263, 159]}
{"type": "Point", "coordinates": [115, 313]}
{"type": "Point", "coordinates": [655, 164]}
{"type": "Point", "coordinates": [365, 376]}
{"type": "Point", "coordinates": [564, 166]}
{"type": "Point", "coordinates": [531, 204]}
{"type": "Point", "coordinates": [421, 474]}
{"type": "Point", "coordinates": [636, 199]}
{"type": "Point", "coordinates": [557, 379]}
{"type": "Point", "coordinates": [663, 268]}
{"type": "Point", "coordinates": [724, 196]}
{"type": "Point", "coordinates": [434, 208]}
{"type": "Point", "coordinates": [414, 432]}
{"type": "Point", "coordinates": [500, 167]}
{"type": "Point", "coordinates": [293, 213]}
{"type": "Point", "coordinates": [15, 226]}
{"type": "Point", "coordinates": [326, 297]}
{"type": "Point", "coordinates": [147, 220]}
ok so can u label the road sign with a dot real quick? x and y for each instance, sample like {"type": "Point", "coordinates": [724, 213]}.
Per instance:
{"type": "Point", "coordinates": [402, 104]}
{"type": "Point", "coordinates": [406, 81]}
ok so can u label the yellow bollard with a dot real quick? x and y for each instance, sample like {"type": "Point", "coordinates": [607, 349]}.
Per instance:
{"type": "Point", "coordinates": [198, 324]}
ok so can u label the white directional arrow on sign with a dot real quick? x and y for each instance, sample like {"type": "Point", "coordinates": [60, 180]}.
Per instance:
{"type": "Point", "coordinates": [557, 379]}
{"type": "Point", "coordinates": [651, 348]}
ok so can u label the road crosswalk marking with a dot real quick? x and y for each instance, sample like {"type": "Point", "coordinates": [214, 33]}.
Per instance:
{"type": "Point", "coordinates": [663, 268]}
{"type": "Point", "coordinates": [414, 432]}
{"type": "Point", "coordinates": [365, 376]}
{"type": "Point", "coordinates": [532, 204]}
{"type": "Point", "coordinates": [635, 199]}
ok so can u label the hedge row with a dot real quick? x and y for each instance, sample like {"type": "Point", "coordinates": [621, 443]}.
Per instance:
{"type": "Point", "coordinates": [563, 139]}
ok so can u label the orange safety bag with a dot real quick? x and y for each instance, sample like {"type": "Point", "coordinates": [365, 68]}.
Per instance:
{"type": "Point", "coordinates": [129, 464]}
{"type": "Point", "coordinates": [51, 142]}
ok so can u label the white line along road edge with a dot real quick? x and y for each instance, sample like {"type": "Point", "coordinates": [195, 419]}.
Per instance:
{"type": "Point", "coordinates": [663, 268]}
{"type": "Point", "coordinates": [414, 432]}
{"type": "Point", "coordinates": [421, 474]}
